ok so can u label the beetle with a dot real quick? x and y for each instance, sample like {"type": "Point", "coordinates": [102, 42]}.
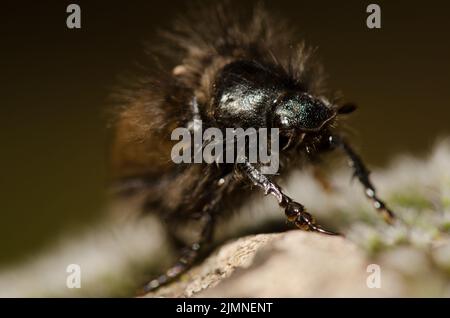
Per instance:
{"type": "Point", "coordinates": [229, 71]}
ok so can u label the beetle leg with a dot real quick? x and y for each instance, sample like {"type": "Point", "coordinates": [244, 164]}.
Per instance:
{"type": "Point", "coordinates": [362, 173]}
{"type": "Point", "coordinates": [295, 212]}
{"type": "Point", "coordinates": [187, 258]}
{"type": "Point", "coordinates": [190, 253]}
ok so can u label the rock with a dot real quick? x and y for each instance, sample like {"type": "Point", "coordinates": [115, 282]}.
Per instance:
{"type": "Point", "coordinates": [290, 264]}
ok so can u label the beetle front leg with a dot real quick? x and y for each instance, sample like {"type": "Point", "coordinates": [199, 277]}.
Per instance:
{"type": "Point", "coordinates": [362, 173]}
{"type": "Point", "coordinates": [295, 212]}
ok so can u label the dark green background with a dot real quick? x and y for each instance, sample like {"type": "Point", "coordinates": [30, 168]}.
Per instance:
{"type": "Point", "coordinates": [55, 82]}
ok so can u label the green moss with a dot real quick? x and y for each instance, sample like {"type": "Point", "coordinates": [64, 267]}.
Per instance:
{"type": "Point", "coordinates": [374, 245]}
{"type": "Point", "coordinates": [445, 226]}
{"type": "Point", "coordinates": [445, 201]}
{"type": "Point", "coordinates": [410, 200]}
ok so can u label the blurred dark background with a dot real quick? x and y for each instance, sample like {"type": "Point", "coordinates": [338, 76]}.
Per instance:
{"type": "Point", "coordinates": [55, 83]}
